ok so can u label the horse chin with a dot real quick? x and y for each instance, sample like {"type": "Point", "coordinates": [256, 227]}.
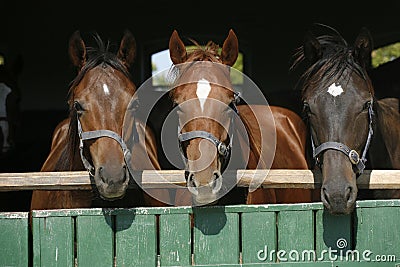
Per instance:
{"type": "Point", "coordinates": [203, 202]}
{"type": "Point", "coordinates": [111, 195]}
{"type": "Point", "coordinates": [110, 192]}
{"type": "Point", "coordinates": [111, 198]}
{"type": "Point", "coordinates": [109, 187]}
{"type": "Point", "coordinates": [205, 199]}
{"type": "Point", "coordinates": [336, 205]}
{"type": "Point", "coordinates": [340, 211]}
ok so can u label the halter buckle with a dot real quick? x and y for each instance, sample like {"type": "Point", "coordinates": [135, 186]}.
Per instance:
{"type": "Point", "coordinates": [222, 149]}
{"type": "Point", "coordinates": [354, 157]}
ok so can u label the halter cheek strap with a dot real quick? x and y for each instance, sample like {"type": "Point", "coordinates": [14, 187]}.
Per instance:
{"type": "Point", "coordinates": [356, 161]}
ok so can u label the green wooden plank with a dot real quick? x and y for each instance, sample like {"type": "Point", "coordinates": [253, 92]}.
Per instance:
{"type": "Point", "coordinates": [175, 240]}
{"type": "Point", "coordinates": [295, 235]}
{"type": "Point", "coordinates": [14, 250]}
{"type": "Point", "coordinates": [36, 240]}
{"type": "Point", "coordinates": [94, 238]}
{"type": "Point", "coordinates": [216, 236]}
{"type": "Point", "coordinates": [303, 264]}
{"type": "Point", "coordinates": [333, 235]}
{"type": "Point", "coordinates": [136, 240]}
{"type": "Point", "coordinates": [378, 231]}
{"type": "Point", "coordinates": [378, 203]}
{"type": "Point", "coordinates": [56, 241]}
{"type": "Point", "coordinates": [258, 237]}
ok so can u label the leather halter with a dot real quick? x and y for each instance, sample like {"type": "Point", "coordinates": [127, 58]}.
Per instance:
{"type": "Point", "coordinates": [354, 157]}
{"type": "Point", "coordinates": [83, 136]}
{"type": "Point", "coordinates": [224, 150]}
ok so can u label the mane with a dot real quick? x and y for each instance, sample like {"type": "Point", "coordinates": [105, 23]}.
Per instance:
{"type": "Point", "coordinates": [337, 61]}
{"type": "Point", "coordinates": [100, 55]}
{"type": "Point", "coordinates": [210, 52]}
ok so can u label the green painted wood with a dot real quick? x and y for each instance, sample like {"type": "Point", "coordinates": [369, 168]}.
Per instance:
{"type": "Point", "coordinates": [14, 249]}
{"type": "Point", "coordinates": [175, 240]}
{"type": "Point", "coordinates": [136, 240]}
{"type": "Point", "coordinates": [295, 235]}
{"type": "Point", "coordinates": [56, 241]}
{"type": "Point", "coordinates": [94, 238]}
{"type": "Point", "coordinates": [258, 236]}
{"type": "Point", "coordinates": [216, 236]}
{"type": "Point", "coordinates": [333, 235]}
{"type": "Point", "coordinates": [304, 264]}
{"type": "Point", "coordinates": [378, 231]}
{"type": "Point", "coordinates": [36, 240]}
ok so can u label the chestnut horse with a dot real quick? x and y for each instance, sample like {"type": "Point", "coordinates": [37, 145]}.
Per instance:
{"type": "Point", "coordinates": [90, 138]}
{"type": "Point", "coordinates": [341, 109]}
{"type": "Point", "coordinates": [206, 103]}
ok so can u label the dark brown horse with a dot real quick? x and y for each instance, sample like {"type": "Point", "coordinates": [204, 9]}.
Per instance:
{"type": "Point", "coordinates": [341, 109]}
{"type": "Point", "coordinates": [91, 137]}
{"type": "Point", "coordinates": [206, 105]}
{"type": "Point", "coordinates": [385, 147]}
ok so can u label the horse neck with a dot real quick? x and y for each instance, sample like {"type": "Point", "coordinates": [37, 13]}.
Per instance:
{"type": "Point", "coordinates": [388, 126]}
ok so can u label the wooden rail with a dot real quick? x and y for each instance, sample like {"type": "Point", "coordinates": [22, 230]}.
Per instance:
{"type": "Point", "coordinates": [276, 178]}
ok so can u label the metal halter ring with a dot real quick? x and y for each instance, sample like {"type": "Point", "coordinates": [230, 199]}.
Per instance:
{"type": "Point", "coordinates": [354, 157]}
{"type": "Point", "coordinates": [222, 149]}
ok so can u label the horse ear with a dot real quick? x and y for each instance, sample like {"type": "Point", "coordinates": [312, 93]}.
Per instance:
{"type": "Point", "coordinates": [363, 47]}
{"type": "Point", "coordinates": [311, 48]}
{"type": "Point", "coordinates": [177, 49]}
{"type": "Point", "coordinates": [77, 50]}
{"type": "Point", "coordinates": [127, 49]}
{"type": "Point", "coordinates": [230, 49]}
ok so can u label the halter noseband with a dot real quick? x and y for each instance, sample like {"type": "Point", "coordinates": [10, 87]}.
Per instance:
{"type": "Point", "coordinates": [224, 151]}
{"type": "Point", "coordinates": [104, 133]}
{"type": "Point", "coordinates": [354, 157]}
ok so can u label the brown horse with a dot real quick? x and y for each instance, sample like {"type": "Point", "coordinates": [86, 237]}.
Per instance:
{"type": "Point", "coordinates": [341, 109]}
{"type": "Point", "coordinates": [206, 103]}
{"type": "Point", "coordinates": [290, 150]}
{"type": "Point", "coordinates": [385, 147]}
{"type": "Point", "coordinates": [90, 138]}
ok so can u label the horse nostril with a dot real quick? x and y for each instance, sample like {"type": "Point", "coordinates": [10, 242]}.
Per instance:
{"type": "Point", "coordinates": [348, 193]}
{"type": "Point", "coordinates": [101, 174]}
{"type": "Point", "coordinates": [191, 184]}
{"type": "Point", "coordinates": [325, 196]}
{"type": "Point", "coordinates": [190, 180]}
{"type": "Point", "coordinates": [125, 174]}
{"type": "Point", "coordinates": [217, 182]}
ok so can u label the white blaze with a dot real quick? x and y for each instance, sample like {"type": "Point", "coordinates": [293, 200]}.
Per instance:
{"type": "Point", "coordinates": [335, 89]}
{"type": "Point", "coordinates": [106, 90]}
{"type": "Point", "coordinates": [203, 89]}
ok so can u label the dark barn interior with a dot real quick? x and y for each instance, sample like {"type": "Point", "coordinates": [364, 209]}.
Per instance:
{"type": "Point", "coordinates": [268, 36]}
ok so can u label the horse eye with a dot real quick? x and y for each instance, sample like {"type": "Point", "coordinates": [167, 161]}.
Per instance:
{"type": "Point", "coordinates": [306, 108]}
{"type": "Point", "coordinates": [78, 107]}
{"type": "Point", "coordinates": [367, 105]}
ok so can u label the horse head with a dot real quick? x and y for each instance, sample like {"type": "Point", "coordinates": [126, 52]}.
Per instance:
{"type": "Point", "coordinates": [338, 99]}
{"type": "Point", "coordinates": [98, 98]}
{"type": "Point", "coordinates": [205, 100]}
